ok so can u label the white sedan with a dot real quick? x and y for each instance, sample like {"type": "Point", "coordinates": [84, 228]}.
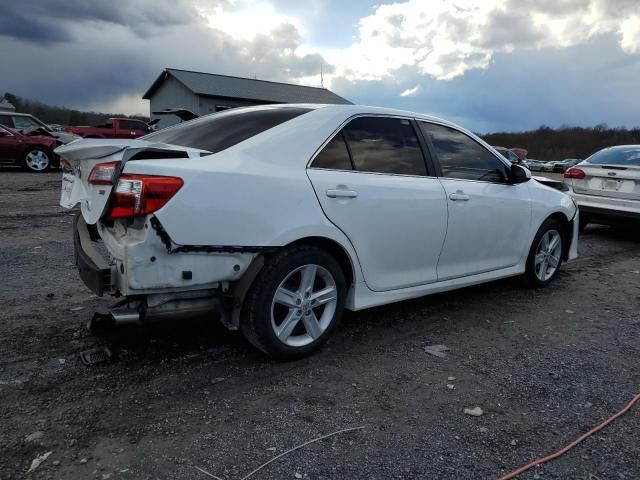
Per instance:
{"type": "Point", "coordinates": [606, 185]}
{"type": "Point", "coordinates": [279, 217]}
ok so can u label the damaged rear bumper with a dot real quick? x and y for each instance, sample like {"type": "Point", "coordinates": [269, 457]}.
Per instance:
{"type": "Point", "coordinates": [94, 269]}
{"type": "Point", "coordinates": [142, 260]}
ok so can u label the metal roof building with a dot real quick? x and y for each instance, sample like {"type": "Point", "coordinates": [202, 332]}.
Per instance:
{"type": "Point", "coordinates": [205, 93]}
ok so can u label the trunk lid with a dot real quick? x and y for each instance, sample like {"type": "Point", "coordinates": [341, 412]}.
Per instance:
{"type": "Point", "coordinates": [79, 158]}
{"type": "Point", "coordinates": [616, 181]}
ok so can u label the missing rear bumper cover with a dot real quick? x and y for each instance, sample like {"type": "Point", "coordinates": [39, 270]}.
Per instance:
{"type": "Point", "coordinates": [174, 248]}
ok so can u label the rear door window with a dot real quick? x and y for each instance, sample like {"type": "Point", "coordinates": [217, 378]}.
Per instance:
{"type": "Point", "coordinates": [462, 157]}
{"type": "Point", "coordinates": [219, 131]}
{"type": "Point", "coordinates": [334, 155]}
{"type": "Point", "coordinates": [384, 145]}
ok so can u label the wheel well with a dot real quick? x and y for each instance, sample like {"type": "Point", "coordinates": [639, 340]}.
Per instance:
{"type": "Point", "coordinates": [335, 249]}
{"type": "Point", "coordinates": [568, 231]}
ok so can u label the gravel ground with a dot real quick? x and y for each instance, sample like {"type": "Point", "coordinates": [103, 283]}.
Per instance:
{"type": "Point", "coordinates": [543, 365]}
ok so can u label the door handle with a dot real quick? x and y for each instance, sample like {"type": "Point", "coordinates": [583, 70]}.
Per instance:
{"type": "Point", "coordinates": [459, 196]}
{"type": "Point", "coordinates": [340, 193]}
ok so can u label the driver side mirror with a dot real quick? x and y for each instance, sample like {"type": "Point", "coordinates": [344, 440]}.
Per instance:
{"type": "Point", "coordinates": [519, 174]}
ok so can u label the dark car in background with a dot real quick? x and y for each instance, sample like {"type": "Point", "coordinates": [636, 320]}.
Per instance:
{"type": "Point", "coordinates": [563, 165]}
{"type": "Point", "coordinates": [23, 122]}
{"type": "Point", "coordinates": [32, 152]}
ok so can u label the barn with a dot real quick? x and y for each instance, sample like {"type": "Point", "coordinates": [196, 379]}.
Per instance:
{"type": "Point", "coordinates": [204, 93]}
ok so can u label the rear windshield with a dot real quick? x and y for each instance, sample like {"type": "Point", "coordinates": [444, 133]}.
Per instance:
{"type": "Point", "coordinates": [219, 131]}
{"type": "Point", "coordinates": [616, 156]}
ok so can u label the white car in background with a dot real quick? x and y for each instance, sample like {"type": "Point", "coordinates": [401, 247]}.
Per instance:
{"type": "Point", "coordinates": [606, 185]}
{"type": "Point", "coordinates": [278, 217]}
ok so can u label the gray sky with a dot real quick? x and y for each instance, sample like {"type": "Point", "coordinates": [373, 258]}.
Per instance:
{"type": "Point", "coordinates": [487, 64]}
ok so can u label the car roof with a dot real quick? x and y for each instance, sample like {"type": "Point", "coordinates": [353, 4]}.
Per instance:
{"type": "Point", "coordinates": [17, 114]}
{"type": "Point", "coordinates": [355, 110]}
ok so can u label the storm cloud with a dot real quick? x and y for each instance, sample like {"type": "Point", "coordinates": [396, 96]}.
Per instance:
{"type": "Point", "coordinates": [46, 22]}
{"type": "Point", "coordinates": [491, 64]}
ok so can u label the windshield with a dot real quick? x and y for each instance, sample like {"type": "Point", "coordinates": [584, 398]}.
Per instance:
{"type": "Point", "coordinates": [219, 131]}
{"type": "Point", "coordinates": [616, 156]}
{"type": "Point", "coordinates": [21, 122]}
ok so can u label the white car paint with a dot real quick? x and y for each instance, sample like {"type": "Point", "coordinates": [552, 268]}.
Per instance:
{"type": "Point", "coordinates": [404, 236]}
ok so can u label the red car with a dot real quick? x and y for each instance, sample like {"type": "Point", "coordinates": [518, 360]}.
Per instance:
{"type": "Point", "coordinates": [113, 128]}
{"type": "Point", "coordinates": [34, 153]}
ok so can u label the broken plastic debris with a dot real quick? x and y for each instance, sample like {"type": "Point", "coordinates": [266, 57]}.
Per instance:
{"type": "Point", "coordinates": [475, 411]}
{"type": "Point", "coordinates": [36, 462]}
{"type": "Point", "coordinates": [439, 351]}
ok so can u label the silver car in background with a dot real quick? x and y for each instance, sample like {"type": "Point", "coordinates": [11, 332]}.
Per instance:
{"type": "Point", "coordinates": [606, 186]}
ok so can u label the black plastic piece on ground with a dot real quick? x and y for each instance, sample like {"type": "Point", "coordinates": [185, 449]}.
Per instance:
{"type": "Point", "coordinates": [96, 355]}
{"type": "Point", "coordinates": [100, 323]}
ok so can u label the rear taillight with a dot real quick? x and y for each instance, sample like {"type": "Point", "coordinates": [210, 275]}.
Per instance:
{"type": "Point", "coordinates": [574, 173]}
{"type": "Point", "coordinates": [102, 174]}
{"type": "Point", "coordinates": [141, 194]}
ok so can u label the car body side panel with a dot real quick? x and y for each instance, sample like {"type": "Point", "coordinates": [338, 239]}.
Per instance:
{"type": "Point", "coordinates": [489, 231]}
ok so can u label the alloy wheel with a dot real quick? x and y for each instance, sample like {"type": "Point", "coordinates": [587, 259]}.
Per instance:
{"type": "Point", "coordinates": [304, 305]}
{"type": "Point", "coordinates": [548, 254]}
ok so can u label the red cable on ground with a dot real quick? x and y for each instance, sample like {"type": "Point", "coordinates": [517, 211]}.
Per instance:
{"type": "Point", "coordinates": [564, 450]}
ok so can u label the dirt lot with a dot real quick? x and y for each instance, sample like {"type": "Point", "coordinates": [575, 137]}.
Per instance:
{"type": "Point", "coordinates": [543, 365]}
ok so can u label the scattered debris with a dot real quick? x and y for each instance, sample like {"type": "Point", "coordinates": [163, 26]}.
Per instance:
{"type": "Point", "coordinates": [33, 437]}
{"type": "Point", "coordinates": [95, 355]}
{"type": "Point", "coordinates": [475, 411]}
{"type": "Point", "coordinates": [439, 351]}
{"type": "Point", "coordinates": [36, 462]}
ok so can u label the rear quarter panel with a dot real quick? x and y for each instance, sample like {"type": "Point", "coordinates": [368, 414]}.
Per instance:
{"type": "Point", "coordinates": [255, 194]}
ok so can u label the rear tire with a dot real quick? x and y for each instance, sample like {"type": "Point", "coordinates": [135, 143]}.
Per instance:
{"type": "Point", "coordinates": [545, 255]}
{"type": "Point", "coordinates": [37, 160]}
{"type": "Point", "coordinates": [295, 303]}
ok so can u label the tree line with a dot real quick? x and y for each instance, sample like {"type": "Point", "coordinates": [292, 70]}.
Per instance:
{"type": "Point", "coordinates": [65, 116]}
{"type": "Point", "coordinates": [549, 144]}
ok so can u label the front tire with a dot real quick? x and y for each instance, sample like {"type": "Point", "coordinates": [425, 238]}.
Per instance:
{"type": "Point", "coordinates": [295, 303]}
{"type": "Point", "coordinates": [545, 256]}
{"type": "Point", "coordinates": [37, 160]}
